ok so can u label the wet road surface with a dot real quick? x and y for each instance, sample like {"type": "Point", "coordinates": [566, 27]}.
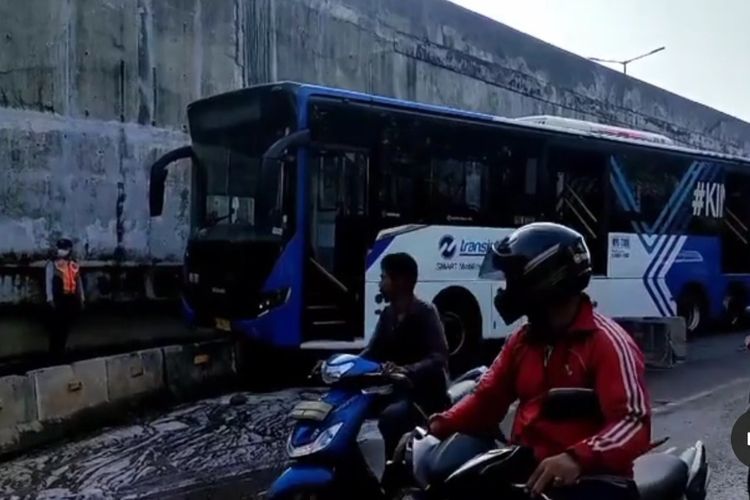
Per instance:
{"type": "Point", "coordinates": [217, 449]}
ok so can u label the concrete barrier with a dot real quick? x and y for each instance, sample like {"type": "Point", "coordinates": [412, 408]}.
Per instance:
{"type": "Point", "coordinates": [135, 374]}
{"type": "Point", "coordinates": [52, 402]}
{"type": "Point", "coordinates": [17, 401]}
{"type": "Point", "coordinates": [678, 337]}
{"type": "Point", "coordinates": [662, 340]}
{"type": "Point", "coordinates": [62, 391]}
{"type": "Point", "coordinates": [191, 366]}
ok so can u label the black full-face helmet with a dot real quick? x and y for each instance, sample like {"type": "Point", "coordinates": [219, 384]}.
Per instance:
{"type": "Point", "coordinates": [542, 264]}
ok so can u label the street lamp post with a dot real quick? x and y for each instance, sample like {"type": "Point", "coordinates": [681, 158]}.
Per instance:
{"type": "Point", "coordinates": [627, 61]}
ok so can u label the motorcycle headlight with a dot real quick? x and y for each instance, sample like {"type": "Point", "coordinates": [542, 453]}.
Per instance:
{"type": "Point", "coordinates": [320, 443]}
{"type": "Point", "coordinates": [332, 373]}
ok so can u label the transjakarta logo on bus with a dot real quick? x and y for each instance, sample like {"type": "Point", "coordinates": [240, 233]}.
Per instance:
{"type": "Point", "coordinates": [449, 247]}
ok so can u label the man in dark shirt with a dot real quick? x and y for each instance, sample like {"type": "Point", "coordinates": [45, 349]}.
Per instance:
{"type": "Point", "coordinates": [408, 338]}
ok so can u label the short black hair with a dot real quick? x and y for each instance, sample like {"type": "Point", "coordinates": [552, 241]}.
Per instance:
{"type": "Point", "coordinates": [400, 265]}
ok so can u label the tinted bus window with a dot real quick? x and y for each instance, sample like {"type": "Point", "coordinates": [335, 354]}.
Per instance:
{"type": "Point", "coordinates": [578, 176]}
{"type": "Point", "coordinates": [653, 194]}
{"type": "Point", "coordinates": [456, 190]}
{"type": "Point", "coordinates": [513, 186]}
{"type": "Point", "coordinates": [642, 184]}
{"type": "Point", "coordinates": [736, 223]}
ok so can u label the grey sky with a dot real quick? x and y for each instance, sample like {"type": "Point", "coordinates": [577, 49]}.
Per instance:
{"type": "Point", "coordinates": [708, 41]}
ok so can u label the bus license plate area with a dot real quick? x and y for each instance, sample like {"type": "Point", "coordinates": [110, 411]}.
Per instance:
{"type": "Point", "coordinates": [223, 324]}
{"type": "Point", "coordinates": [316, 411]}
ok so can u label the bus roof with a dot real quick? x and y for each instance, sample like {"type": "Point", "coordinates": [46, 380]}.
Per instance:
{"type": "Point", "coordinates": [553, 124]}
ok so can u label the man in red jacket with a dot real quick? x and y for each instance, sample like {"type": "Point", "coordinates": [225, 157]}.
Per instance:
{"type": "Point", "coordinates": [566, 343]}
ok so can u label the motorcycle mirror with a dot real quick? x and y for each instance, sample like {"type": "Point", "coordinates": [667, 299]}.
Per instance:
{"type": "Point", "coordinates": [570, 403]}
{"type": "Point", "coordinates": [419, 432]}
{"type": "Point", "coordinates": [316, 370]}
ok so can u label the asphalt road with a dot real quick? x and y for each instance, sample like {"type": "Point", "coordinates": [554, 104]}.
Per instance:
{"type": "Point", "coordinates": [217, 449]}
{"type": "Point", "coordinates": [702, 400]}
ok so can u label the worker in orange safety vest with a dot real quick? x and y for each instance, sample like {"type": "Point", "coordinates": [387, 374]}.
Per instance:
{"type": "Point", "coordinates": [65, 295]}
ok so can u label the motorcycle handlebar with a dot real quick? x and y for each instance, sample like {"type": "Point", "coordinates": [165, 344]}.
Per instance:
{"type": "Point", "coordinates": [399, 378]}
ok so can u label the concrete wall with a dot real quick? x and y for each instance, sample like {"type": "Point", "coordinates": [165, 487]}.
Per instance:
{"type": "Point", "coordinates": [91, 90]}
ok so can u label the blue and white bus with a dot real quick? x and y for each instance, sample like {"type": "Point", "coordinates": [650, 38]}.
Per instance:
{"type": "Point", "coordinates": [299, 190]}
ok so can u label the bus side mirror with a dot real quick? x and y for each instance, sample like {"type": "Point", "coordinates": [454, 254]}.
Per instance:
{"type": "Point", "coordinates": [156, 192]}
{"type": "Point", "coordinates": [158, 179]}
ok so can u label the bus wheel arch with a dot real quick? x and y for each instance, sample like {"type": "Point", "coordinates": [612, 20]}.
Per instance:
{"type": "Point", "coordinates": [735, 304]}
{"type": "Point", "coordinates": [692, 304]}
{"type": "Point", "coordinates": [462, 320]}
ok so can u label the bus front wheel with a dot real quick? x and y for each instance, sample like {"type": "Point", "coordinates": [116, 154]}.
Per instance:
{"type": "Point", "coordinates": [463, 329]}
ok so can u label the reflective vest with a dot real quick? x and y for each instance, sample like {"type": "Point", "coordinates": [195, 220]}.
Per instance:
{"type": "Point", "coordinates": [67, 271]}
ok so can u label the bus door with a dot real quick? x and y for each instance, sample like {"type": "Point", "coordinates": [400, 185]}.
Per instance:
{"type": "Point", "coordinates": [578, 180]}
{"type": "Point", "coordinates": [338, 237]}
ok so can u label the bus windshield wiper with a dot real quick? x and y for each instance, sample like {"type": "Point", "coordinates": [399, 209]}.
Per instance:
{"type": "Point", "coordinates": [212, 222]}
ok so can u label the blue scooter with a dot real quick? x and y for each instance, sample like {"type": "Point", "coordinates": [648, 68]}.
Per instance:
{"type": "Point", "coordinates": [336, 448]}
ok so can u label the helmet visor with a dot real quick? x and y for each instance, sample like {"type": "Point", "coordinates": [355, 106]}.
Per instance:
{"type": "Point", "coordinates": [501, 266]}
{"type": "Point", "coordinates": [491, 267]}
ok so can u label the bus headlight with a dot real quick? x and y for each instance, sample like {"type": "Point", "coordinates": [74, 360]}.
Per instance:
{"type": "Point", "coordinates": [272, 299]}
{"type": "Point", "coordinates": [321, 442]}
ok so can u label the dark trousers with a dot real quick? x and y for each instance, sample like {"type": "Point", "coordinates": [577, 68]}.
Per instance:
{"type": "Point", "coordinates": [61, 317]}
{"type": "Point", "coordinates": [396, 419]}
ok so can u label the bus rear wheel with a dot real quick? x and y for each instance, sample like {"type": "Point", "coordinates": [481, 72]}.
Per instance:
{"type": "Point", "coordinates": [692, 306]}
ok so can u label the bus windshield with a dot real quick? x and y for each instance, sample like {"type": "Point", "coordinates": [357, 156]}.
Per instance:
{"type": "Point", "coordinates": [231, 186]}
{"type": "Point", "coordinates": [233, 190]}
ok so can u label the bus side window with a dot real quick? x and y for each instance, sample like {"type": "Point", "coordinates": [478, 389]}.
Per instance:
{"type": "Point", "coordinates": [642, 185]}
{"type": "Point", "coordinates": [578, 177]}
{"type": "Point", "coordinates": [401, 189]}
{"type": "Point", "coordinates": [736, 223]}
{"type": "Point", "coordinates": [456, 194]}
{"type": "Point", "coordinates": [513, 187]}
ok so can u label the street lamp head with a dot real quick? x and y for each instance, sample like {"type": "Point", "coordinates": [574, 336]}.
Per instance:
{"type": "Point", "coordinates": [655, 51]}
{"type": "Point", "coordinates": [625, 62]}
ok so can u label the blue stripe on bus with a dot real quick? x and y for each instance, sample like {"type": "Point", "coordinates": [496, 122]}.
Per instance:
{"type": "Point", "coordinates": [378, 248]}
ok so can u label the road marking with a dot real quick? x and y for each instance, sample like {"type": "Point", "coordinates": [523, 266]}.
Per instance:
{"type": "Point", "coordinates": [671, 406]}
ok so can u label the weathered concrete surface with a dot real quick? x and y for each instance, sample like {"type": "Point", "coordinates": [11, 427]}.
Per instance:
{"type": "Point", "coordinates": [17, 402]}
{"type": "Point", "coordinates": [94, 89]}
{"type": "Point", "coordinates": [48, 404]}
{"type": "Point", "coordinates": [23, 333]}
{"type": "Point", "coordinates": [61, 391]}
{"type": "Point", "coordinates": [662, 340]}
{"type": "Point", "coordinates": [191, 365]}
{"type": "Point", "coordinates": [135, 374]}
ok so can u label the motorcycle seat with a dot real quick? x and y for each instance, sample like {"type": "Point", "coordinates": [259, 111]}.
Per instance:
{"type": "Point", "coordinates": [660, 476]}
